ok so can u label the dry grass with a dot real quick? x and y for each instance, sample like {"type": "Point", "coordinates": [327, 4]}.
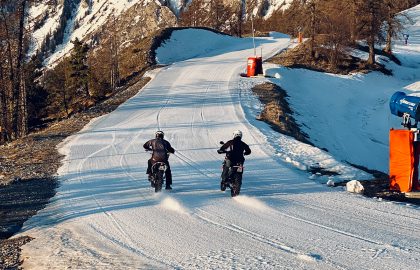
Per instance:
{"type": "Point", "coordinates": [277, 112]}
{"type": "Point", "coordinates": [300, 57]}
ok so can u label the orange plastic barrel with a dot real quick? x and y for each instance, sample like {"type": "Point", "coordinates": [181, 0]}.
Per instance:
{"type": "Point", "coordinates": [254, 66]}
{"type": "Point", "coordinates": [252, 63]}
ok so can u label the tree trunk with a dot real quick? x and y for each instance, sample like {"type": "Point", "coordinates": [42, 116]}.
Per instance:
{"type": "Point", "coordinates": [312, 31]}
{"type": "Point", "coordinates": [17, 125]}
{"type": "Point", "coordinates": [23, 109]}
{"type": "Point", "coordinates": [371, 38]}
{"type": "Point", "coordinates": [388, 45]}
{"type": "Point", "coordinates": [3, 106]}
{"type": "Point", "coordinates": [8, 85]}
{"type": "Point", "coordinates": [240, 14]}
{"type": "Point", "coordinates": [114, 61]}
{"type": "Point", "coordinates": [86, 87]}
{"type": "Point", "coordinates": [354, 21]}
{"type": "Point", "coordinates": [371, 59]}
{"type": "Point", "coordinates": [389, 32]}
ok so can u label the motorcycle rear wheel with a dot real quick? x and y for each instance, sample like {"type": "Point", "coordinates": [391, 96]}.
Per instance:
{"type": "Point", "coordinates": [158, 181]}
{"type": "Point", "coordinates": [236, 185]}
{"type": "Point", "coordinates": [222, 186]}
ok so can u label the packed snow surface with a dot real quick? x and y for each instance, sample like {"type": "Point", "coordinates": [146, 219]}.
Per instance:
{"type": "Point", "coordinates": [106, 216]}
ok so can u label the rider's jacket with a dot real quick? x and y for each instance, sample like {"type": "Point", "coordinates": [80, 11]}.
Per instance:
{"type": "Point", "coordinates": [160, 149]}
{"type": "Point", "coordinates": [236, 149]}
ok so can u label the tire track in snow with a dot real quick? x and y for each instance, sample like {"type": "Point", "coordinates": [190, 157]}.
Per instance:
{"type": "Point", "coordinates": [361, 215]}
{"type": "Point", "coordinates": [111, 217]}
{"type": "Point", "coordinates": [308, 257]}
{"type": "Point", "coordinates": [160, 111]}
{"type": "Point", "coordinates": [342, 232]}
{"type": "Point", "coordinates": [184, 76]}
{"type": "Point", "coordinates": [389, 211]}
{"type": "Point", "coordinates": [213, 82]}
{"type": "Point", "coordinates": [131, 248]}
{"type": "Point", "coordinates": [98, 204]}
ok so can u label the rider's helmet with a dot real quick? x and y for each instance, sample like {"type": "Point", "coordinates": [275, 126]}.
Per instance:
{"type": "Point", "coordinates": [159, 134]}
{"type": "Point", "coordinates": [237, 133]}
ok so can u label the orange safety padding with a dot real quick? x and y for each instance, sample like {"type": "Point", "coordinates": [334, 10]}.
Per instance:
{"type": "Point", "coordinates": [415, 179]}
{"type": "Point", "coordinates": [401, 160]}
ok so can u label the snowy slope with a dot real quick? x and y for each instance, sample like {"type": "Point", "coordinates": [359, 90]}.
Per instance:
{"type": "Point", "coordinates": [105, 215]}
{"type": "Point", "coordinates": [349, 115]}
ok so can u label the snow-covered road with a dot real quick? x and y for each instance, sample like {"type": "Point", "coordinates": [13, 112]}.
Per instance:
{"type": "Point", "coordinates": [105, 215]}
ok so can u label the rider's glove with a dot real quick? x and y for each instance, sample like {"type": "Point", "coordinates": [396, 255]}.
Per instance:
{"type": "Point", "coordinates": [220, 151]}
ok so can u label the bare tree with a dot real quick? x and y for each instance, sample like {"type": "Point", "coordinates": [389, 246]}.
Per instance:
{"type": "Point", "coordinates": [19, 92]}
{"type": "Point", "coordinates": [195, 14]}
{"type": "Point", "coordinates": [114, 55]}
{"type": "Point", "coordinates": [394, 20]}
{"type": "Point", "coordinates": [336, 28]}
{"type": "Point", "coordinates": [219, 14]}
{"type": "Point", "coordinates": [371, 13]}
{"type": "Point", "coordinates": [312, 7]}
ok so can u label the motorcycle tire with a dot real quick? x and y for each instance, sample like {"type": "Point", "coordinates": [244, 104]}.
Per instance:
{"type": "Point", "coordinates": [158, 181]}
{"type": "Point", "coordinates": [236, 185]}
{"type": "Point", "coordinates": [222, 186]}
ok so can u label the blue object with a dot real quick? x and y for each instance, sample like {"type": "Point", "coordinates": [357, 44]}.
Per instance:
{"type": "Point", "coordinates": [400, 103]}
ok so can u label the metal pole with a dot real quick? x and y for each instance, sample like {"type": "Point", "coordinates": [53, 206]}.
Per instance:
{"type": "Point", "coordinates": [253, 37]}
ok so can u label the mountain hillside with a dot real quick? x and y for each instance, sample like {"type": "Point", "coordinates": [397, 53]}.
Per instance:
{"type": "Point", "coordinates": [56, 23]}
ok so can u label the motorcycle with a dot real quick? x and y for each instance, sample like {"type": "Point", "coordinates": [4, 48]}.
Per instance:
{"type": "Point", "coordinates": [234, 179]}
{"type": "Point", "coordinates": [157, 177]}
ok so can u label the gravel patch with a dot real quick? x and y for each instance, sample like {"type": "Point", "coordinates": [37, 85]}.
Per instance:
{"type": "Point", "coordinates": [28, 169]}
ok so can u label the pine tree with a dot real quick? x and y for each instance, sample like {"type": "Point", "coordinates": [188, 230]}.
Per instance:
{"type": "Point", "coordinates": [79, 68]}
{"type": "Point", "coordinates": [36, 94]}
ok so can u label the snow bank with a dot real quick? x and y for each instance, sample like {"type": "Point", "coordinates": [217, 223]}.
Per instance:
{"type": "Point", "coordinates": [190, 43]}
{"type": "Point", "coordinates": [288, 149]}
{"type": "Point", "coordinates": [354, 186]}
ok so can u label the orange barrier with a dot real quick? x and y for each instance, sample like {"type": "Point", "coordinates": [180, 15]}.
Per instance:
{"type": "Point", "coordinates": [254, 66]}
{"type": "Point", "coordinates": [300, 37]}
{"type": "Point", "coordinates": [403, 160]}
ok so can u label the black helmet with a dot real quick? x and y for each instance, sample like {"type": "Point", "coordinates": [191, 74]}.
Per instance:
{"type": "Point", "coordinates": [159, 134]}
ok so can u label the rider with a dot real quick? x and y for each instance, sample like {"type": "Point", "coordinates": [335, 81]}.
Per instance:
{"type": "Point", "coordinates": [160, 148]}
{"type": "Point", "coordinates": [237, 150]}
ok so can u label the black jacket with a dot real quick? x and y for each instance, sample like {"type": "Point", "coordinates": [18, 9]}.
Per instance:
{"type": "Point", "coordinates": [160, 148]}
{"type": "Point", "coordinates": [236, 150]}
